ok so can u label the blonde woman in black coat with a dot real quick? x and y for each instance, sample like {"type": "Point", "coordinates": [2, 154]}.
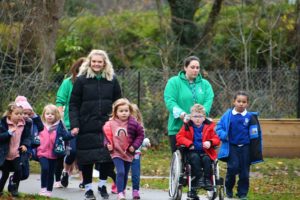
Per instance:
{"type": "Point", "coordinates": [93, 94]}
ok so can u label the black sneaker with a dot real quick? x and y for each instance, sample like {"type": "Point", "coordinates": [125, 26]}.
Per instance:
{"type": "Point", "coordinates": [89, 195]}
{"type": "Point", "coordinates": [65, 179]}
{"type": "Point", "coordinates": [12, 187]}
{"type": "Point", "coordinates": [103, 192]}
{"type": "Point", "coordinates": [81, 186]}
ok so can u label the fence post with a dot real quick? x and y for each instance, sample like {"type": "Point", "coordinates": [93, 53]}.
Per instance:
{"type": "Point", "coordinates": [139, 88]}
{"type": "Point", "coordinates": [298, 106]}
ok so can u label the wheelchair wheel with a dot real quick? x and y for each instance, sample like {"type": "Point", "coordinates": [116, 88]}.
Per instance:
{"type": "Point", "coordinates": [175, 189]}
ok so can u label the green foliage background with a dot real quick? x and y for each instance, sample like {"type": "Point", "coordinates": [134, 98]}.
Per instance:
{"type": "Point", "coordinates": [142, 39]}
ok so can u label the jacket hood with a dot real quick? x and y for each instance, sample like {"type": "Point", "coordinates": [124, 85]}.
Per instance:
{"type": "Point", "coordinates": [181, 74]}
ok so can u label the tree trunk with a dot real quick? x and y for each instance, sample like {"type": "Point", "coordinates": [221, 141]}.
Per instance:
{"type": "Point", "coordinates": [212, 18]}
{"type": "Point", "coordinates": [184, 27]}
{"type": "Point", "coordinates": [182, 22]}
{"type": "Point", "coordinates": [39, 34]}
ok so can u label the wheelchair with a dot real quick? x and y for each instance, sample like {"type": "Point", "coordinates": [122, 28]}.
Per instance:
{"type": "Point", "coordinates": [180, 176]}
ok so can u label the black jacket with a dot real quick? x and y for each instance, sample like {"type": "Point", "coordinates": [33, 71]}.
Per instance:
{"type": "Point", "coordinates": [90, 106]}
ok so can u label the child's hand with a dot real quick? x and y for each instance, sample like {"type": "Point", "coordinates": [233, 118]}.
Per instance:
{"type": "Point", "coordinates": [23, 148]}
{"type": "Point", "coordinates": [206, 144]}
{"type": "Point", "coordinates": [109, 147]}
{"type": "Point", "coordinates": [192, 147]}
{"type": "Point", "coordinates": [146, 143]}
{"type": "Point", "coordinates": [131, 149]}
{"type": "Point", "coordinates": [75, 131]}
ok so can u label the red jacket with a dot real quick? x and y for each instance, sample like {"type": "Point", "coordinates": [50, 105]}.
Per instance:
{"type": "Point", "coordinates": [185, 137]}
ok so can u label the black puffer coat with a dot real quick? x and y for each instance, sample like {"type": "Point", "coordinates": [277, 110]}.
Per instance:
{"type": "Point", "coordinates": [90, 106]}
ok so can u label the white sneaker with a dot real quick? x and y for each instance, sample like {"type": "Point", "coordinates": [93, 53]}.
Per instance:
{"type": "Point", "coordinates": [48, 193]}
{"type": "Point", "coordinates": [57, 184]}
{"type": "Point", "coordinates": [43, 192]}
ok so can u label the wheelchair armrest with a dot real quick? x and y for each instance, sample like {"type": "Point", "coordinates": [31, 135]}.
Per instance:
{"type": "Point", "coordinates": [182, 147]}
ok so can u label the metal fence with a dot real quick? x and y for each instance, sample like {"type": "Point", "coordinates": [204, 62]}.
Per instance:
{"type": "Point", "coordinates": [273, 94]}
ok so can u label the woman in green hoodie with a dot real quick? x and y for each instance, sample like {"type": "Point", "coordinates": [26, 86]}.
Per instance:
{"type": "Point", "coordinates": [182, 92]}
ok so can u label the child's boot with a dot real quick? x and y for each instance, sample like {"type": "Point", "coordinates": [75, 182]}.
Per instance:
{"type": "Point", "coordinates": [201, 182]}
{"type": "Point", "coordinates": [103, 192]}
{"type": "Point", "coordinates": [13, 187]}
{"type": "Point", "coordinates": [114, 189]}
{"type": "Point", "coordinates": [193, 195]}
{"type": "Point", "coordinates": [136, 194]}
{"type": "Point", "coordinates": [207, 183]}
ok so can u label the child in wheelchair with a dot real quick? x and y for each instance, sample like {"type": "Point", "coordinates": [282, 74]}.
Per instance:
{"type": "Point", "coordinates": [199, 136]}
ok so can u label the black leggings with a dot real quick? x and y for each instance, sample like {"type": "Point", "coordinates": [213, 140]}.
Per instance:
{"type": "Point", "coordinates": [59, 168]}
{"type": "Point", "coordinates": [8, 166]}
{"type": "Point", "coordinates": [105, 169]}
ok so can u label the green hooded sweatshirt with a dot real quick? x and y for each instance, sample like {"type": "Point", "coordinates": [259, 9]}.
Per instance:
{"type": "Point", "coordinates": [63, 99]}
{"type": "Point", "coordinates": [180, 96]}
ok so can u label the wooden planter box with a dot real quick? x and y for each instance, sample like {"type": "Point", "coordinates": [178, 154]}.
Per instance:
{"type": "Point", "coordinates": [281, 137]}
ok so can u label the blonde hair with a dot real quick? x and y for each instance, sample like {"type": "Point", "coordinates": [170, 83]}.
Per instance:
{"type": "Point", "coordinates": [55, 111]}
{"type": "Point", "coordinates": [120, 102]}
{"type": "Point", "coordinates": [199, 109]}
{"type": "Point", "coordinates": [10, 108]}
{"type": "Point", "coordinates": [85, 68]}
{"type": "Point", "coordinates": [137, 113]}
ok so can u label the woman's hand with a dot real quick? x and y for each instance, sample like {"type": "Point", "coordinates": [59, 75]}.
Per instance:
{"type": "Point", "coordinates": [182, 115]}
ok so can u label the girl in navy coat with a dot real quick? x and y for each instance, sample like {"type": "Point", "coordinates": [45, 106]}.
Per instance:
{"type": "Point", "coordinates": [240, 134]}
{"type": "Point", "coordinates": [36, 125]}
{"type": "Point", "coordinates": [14, 139]}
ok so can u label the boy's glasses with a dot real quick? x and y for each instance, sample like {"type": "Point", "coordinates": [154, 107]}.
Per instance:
{"type": "Point", "coordinates": [197, 116]}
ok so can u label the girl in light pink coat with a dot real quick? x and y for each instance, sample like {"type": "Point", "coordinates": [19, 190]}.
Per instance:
{"type": "Point", "coordinates": [51, 146]}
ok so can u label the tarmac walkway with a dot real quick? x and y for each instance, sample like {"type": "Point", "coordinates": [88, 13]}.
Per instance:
{"type": "Point", "coordinates": [73, 192]}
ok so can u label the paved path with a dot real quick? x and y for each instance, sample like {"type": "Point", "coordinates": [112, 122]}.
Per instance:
{"type": "Point", "coordinates": [32, 185]}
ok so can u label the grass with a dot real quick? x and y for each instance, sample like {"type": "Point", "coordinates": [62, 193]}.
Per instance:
{"type": "Point", "coordinates": [7, 196]}
{"type": "Point", "coordinates": [274, 179]}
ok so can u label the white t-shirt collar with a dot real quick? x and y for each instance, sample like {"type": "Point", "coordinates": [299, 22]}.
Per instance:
{"type": "Point", "coordinates": [234, 112]}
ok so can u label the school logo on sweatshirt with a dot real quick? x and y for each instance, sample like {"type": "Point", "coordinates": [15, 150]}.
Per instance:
{"type": "Point", "coordinates": [121, 132]}
{"type": "Point", "coordinates": [246, 122]}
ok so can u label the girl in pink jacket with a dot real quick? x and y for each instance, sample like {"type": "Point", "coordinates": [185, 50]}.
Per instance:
{"type": "Point", "coordinates": [51, 146]}
{"type": "Point", "coordinates": [124, 135]}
